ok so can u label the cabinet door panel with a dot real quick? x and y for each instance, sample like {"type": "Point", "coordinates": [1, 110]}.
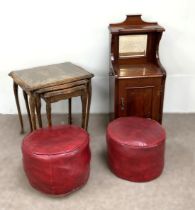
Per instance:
{"type": "Point", "coordinates": [139, 98]}
{"type": "Point", "coordinates": [139, 101]}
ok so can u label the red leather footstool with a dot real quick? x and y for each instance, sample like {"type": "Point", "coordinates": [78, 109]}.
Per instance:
{"type": "Point", "coordinates": [136, 148]}
{"type": "Point", "coordinates": [56, 159]}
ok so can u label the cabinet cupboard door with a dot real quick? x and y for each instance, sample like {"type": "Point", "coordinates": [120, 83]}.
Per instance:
{"type": "Point", "coordinates": [139, 101]}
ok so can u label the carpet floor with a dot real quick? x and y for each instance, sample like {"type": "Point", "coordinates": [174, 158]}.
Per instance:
{"type": "Point", "coordinates": [173, 190]}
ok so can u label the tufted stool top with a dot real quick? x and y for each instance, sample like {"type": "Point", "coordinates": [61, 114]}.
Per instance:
{"type": "Point", "coordinates": [55, 140]}
{"type": "Point", "coordinates": [136, 132]}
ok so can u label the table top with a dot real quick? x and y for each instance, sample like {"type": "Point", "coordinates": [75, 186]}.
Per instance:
{"type": "Point", "coordinates": [47, 76]}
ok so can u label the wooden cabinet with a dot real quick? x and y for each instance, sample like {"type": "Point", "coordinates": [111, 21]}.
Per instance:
{"type": "Point", "coordinates": [136, 77]}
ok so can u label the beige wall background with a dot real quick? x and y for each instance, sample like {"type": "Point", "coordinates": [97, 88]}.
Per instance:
{"type": "Point", "coordinates": [41, 32]}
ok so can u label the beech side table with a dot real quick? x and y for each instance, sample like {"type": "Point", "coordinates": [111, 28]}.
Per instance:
{"type": "Point", "coordinates": [52, 83]}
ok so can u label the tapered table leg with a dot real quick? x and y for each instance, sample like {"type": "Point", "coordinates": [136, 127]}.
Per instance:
{"type": "Point", "coordinates": [32, 103]}
{"type": "Point", "coordinates": [48, 110]}
{"type": "Point", "coordinates": [84, 103]}
{"type": "Point", "coordinates": [38, 109]}
{"type": "Point", "coordinates": [15, 88]}
{"type": "Point", "coordinates": [27, 108]}
{"type": "Point", "coordinates": [70, 111]}
{"type": "Point", "coordinates": [88, 103]}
